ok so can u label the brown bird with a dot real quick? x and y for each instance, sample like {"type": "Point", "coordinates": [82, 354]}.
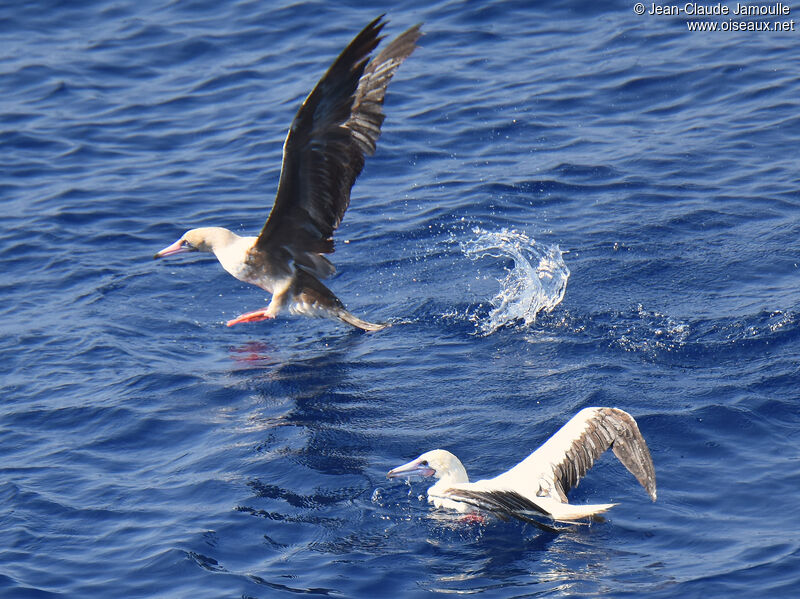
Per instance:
{"type": "Point", "coordinates": [337, 125]}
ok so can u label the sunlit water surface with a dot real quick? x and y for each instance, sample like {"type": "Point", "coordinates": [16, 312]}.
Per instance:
{"type": "Point", "coordinates": [570, 206]}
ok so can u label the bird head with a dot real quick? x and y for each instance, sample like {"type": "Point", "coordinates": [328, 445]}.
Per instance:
{"type": "Point", "coordinates": [204, 239]}
{"type": "Point", "coordinates": [439, 463]}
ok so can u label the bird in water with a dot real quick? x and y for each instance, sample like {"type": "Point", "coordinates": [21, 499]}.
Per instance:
{"type": "Point", "coordinates": [336, 127]}
{"type": "Point", "coordinates": [537, 487]}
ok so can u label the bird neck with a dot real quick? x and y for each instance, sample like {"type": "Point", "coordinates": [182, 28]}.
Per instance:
{"type": "Point", "coordinates": [437, 494]}
{"type": "Point", "coordinates": [454, 475]}
{"type": "Point", "coordinates": [231, 251]}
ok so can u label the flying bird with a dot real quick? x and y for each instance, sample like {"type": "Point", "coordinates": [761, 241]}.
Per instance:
{"type": "Point", "coordinates": [537, 487]}
{"type": "Point", "coordinates": [336, 127]}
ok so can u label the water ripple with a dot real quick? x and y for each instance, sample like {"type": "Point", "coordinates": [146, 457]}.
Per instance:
{"type": "Point", "coordinates": [148, 450]}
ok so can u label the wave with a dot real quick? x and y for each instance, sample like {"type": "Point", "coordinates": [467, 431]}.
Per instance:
{"type": "Point", "coordinates": [536, 282]}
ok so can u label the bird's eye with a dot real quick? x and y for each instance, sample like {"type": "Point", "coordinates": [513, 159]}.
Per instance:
{"type": "Point", "coordinates": [424, 463]}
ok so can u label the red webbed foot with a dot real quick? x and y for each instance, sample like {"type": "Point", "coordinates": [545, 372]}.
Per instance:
{"type": "Point", "coordinates": [473, 519]}
{"type": "Point", "coordinates": [255, 316]}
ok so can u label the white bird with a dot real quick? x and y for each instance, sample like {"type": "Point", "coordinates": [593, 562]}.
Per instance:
{"type": "Point", "coordinates": [337, 125]}
{"type": "Point", "coordinates": [538, 485]}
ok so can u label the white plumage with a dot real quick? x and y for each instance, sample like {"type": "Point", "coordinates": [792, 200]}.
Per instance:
{"type": "Point", "coordinates": [538, 485]}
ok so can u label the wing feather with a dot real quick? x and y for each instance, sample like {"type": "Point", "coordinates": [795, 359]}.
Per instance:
{"type": "Point", "coordinates": [569, 454]}
{"type": "Point", "coordinates": [503, 504]}
{"type": "Point", "coordinates": [338, 123]}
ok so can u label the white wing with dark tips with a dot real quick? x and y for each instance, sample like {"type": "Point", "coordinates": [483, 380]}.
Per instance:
{"type": "Point", "coordinates": [560, 463]}
{"type": "Point", "coordinates": [538, 485]}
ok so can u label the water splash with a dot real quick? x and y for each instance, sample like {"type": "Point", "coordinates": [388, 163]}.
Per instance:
{"type": "Point", "coordinates": [536, 282]}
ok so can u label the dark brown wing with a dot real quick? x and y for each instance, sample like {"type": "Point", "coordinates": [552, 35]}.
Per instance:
{"type": "Point", "coordinates": [339, 122]}
{"type": "Point", "coordinates": [503, 504]}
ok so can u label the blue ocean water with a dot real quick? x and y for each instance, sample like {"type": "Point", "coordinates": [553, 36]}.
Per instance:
{"type": "Point", "coordinates": [150, 451]}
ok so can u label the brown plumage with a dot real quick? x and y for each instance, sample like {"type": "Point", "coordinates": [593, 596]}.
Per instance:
{"type": "Point", "coordinates": [338, 124]}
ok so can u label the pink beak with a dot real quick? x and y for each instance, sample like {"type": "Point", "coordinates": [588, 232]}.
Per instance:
{"type": "Point", "coordinates": [176, 248]}
{"type": "Point", "coordinates": [413, 468]}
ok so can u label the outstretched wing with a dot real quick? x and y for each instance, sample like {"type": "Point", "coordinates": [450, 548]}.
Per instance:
{"type": "Point", "coordinates": [337, 125]}
{"type": "Point", "coordinates": [566, 457]}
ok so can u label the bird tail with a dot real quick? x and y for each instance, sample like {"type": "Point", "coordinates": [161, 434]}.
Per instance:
{"type": "Point", "coordinates": [569, 512]}
{"type": "Point", "coordinates": [313, 298]}
{"type": "Point", "coordinates": [355, 321]}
